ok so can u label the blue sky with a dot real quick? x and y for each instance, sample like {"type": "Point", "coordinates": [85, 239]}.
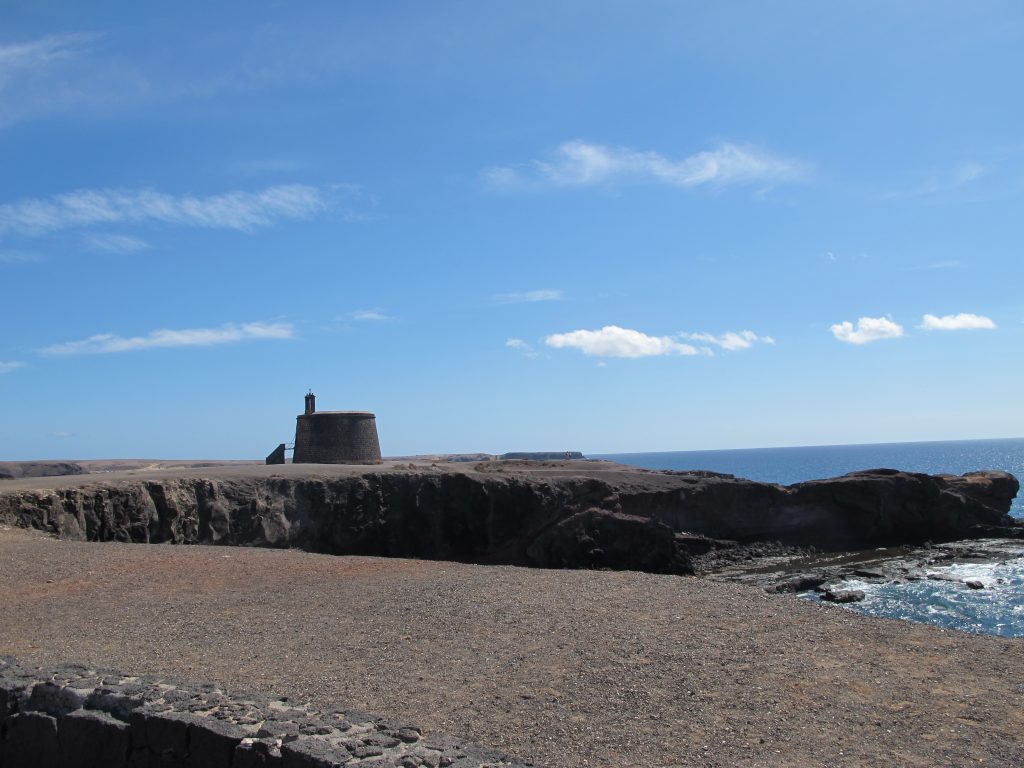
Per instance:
{"type": "Point", "coordinates": [597, 226]}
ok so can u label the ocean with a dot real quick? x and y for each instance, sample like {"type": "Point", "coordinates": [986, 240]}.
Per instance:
{"type": "Point", "coordinates": [998, 609]}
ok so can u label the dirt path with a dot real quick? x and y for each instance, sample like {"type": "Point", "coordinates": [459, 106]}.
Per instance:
{"type": "Point", "coordinates": [571, 668]}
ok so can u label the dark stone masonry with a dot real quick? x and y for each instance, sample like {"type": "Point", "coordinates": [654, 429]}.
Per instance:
{"type": "Point", "coordinates": [75, 716]}
{"type": "Point", "coordinates": [334, 437]}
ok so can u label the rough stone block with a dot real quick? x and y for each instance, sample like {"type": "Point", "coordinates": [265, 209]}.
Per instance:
{"type": "Point", "coordinates": [91, 739]}
{"type": "Point", "coordinates": [257, 753]}
{"type": "Point", "coordinates": [29, 740]}
{"type": "Point", "coordinates": [117, 700]}
{"type": "Point", "coordinates": [314, 753]}
{"type": "Point", "coordinates": [163, 735]}
{"type": "Point", "coordinates": [212, 742]}
{"type": "Point", "coordinates": [54, 699]}
{"type": "Point", "coordinates": [14, 692]}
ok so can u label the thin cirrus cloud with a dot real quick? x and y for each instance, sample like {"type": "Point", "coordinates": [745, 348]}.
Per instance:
{"type": "Point", "coordinates": [236, 210]}
{"type": "Point", "coordinates": [231, 333]}
{"type": "Point", "coordinates": [582, 164]}
{"type": "Point", "coordinates": [964, 321]}
{"type": "Point", "coordinates": [868, 329]}
{"type": "Point", "coordinates": [33, 55]}
{"type": "Point", "coordinates": [961, 176]}
{"type": "Point", "coordinates": [119, 244]}
{"type": "Point", "coordinates": [60, 71]}
{"type": "Point", "coordinates": [731, 341]}
{"type": "Point", "coordinates": [522, 346]}
{"type": "Point", "coordinates": [529, 297]}
{"type": "Point", "coordinates": [11, 366]}
{"type": "Point", "coordinates": [18, 257]}
{"type": "Point", "coordinates": [614, 341]}
{"type": "Point", "coordinates": [369, 315]}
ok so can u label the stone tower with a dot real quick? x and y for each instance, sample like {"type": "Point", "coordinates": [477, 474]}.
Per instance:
{"type": "Point", "coordinates": [335, 437]}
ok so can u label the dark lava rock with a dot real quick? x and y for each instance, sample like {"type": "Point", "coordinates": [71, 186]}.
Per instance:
{"type": "Point", "coordinates": [843, 595]}
{"type": "Point", "coordinates": [975, 583]}
{"type": "Point", "coordinates": [550, 514]}
{"type": "Point", "coordinates": [597, 538]}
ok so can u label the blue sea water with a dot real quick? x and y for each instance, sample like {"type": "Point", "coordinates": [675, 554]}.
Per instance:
{"type": "Point", "coordinates": [997, 609]}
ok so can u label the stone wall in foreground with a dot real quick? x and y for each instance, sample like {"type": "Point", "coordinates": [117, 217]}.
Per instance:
{"type": "Point", "coordinates": [75, 716]}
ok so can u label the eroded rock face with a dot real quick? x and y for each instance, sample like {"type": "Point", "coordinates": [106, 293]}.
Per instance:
{"type": "Point", "coordinates": [12, 469]}
{"type": "Point", "coordinates": [562, 515]}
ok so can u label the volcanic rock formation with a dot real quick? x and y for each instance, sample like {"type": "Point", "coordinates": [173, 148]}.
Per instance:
{"type": "Point", "coordinates": [547, 514]}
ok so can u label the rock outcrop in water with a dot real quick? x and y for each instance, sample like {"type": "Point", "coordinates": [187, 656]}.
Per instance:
{"type": "Point", "coordinates": [548, 514]}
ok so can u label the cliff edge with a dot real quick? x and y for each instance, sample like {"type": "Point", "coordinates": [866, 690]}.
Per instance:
{"type": "Point", "coordinates": [561, 514]}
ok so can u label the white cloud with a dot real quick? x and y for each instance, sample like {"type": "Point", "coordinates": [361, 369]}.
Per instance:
{"type": "Point", "coordinates": [730, 340]}
{"type": "Point", "coordinates": [962, 322]}
{"type": "Point", "coordinates": [57, 72]}
{"type": "Point", "coordinates": [64, 434]}
{"type": "Point", "coordinates": [521, 346]}
{"type": "Point", "coordinates": [31, 57]}
{"type": "Point", "coordinates": [8, 367]}
{"type": "Point", "coordinates": [527, 297]}
{"type": "Point", "coordinates": [190, 337]}
{"type": "Point", "coordinates": [950, 181]}
{"type": "Point", "coordinates": [868, 329]}
{"type": "Point", "coordinates": [613, 341]}
{"type": "Point", "coordinates": [120, 244]}
{"type": "Point", "coordinates": [579, 163]}
{"type": "Point", "coordinates": [369, 315]}
{"type": "Point", "coordinates": [233, 210]}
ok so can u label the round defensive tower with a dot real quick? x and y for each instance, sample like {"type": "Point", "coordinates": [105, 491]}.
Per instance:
{"type": "Point", "coordinates": [335, 437]}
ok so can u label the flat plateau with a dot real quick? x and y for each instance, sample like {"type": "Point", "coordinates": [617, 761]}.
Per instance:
{"type": "Point", "coordinates": [569, 668]}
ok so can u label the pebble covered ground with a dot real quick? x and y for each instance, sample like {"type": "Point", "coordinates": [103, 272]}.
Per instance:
{"type": "Point", "coordinates": [567, 668]}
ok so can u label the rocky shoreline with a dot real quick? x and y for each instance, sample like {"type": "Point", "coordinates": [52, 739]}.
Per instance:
{"type": "Point", "coordinates": [785, 569]}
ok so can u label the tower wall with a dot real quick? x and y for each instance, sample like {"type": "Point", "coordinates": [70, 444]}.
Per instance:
{"type": "Point", "coordinates": [336, 437]}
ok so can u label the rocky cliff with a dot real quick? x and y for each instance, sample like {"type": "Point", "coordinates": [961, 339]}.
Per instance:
{"type": "Point", "coordinates": [549, 514]}
{"type": "Point", "coordinates": [12, 469]}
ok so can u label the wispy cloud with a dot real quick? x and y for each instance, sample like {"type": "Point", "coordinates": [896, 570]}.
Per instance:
{"type": "Point", "coordinates": [120, 244]}
{"type": "Point", "coordinates": [369, 315]}
{"type": "Point", "coordinates": [580, 163]}
{"type": "Point", "coordinates": [522, 346]}
{"type": "Point", "coordinates": [527, 297]}
{"type": "Point", "coordinates": [36, 55]}
{"type": "Point", "coordinates": [190, 337]}
{"type": "Point", "coordinates": [944, 264]}
{"type": "Point", "coordinates": [18, 257]}
{"type": "Point", "coordinates": [961, 176]}
{"type": "Point", "coordinates": [613, 341]}
{"type": "Point", "coordinates": [12, 366]}
{"type": "Point", "coordinates": [57, 72]}
{"type": "Point", "coordinates": [64, 435]}
{"type": "Point", "coordinates": [868, 329]}
{"type": "Point", "coordinates": [234, 210]}
{"type": "Point", "coordinates": [961, 322]}
{"type": "Point", "coordinates": [730, 340]}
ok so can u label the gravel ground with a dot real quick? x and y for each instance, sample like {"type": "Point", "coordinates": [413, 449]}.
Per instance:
{"type": "Point", "coordinates": [570, 668]}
